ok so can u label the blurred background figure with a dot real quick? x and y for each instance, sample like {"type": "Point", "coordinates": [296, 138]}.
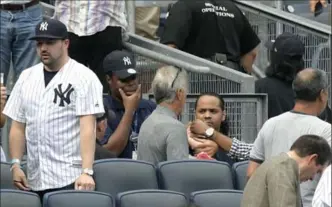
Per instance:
{"type": "Point", "coordinates": [18, 22]}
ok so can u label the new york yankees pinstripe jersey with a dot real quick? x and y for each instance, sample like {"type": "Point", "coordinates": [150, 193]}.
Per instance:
{"type": "Point", "coordinates": [322, 196]}
{"type": "Point", "coordinates": [51, 116]}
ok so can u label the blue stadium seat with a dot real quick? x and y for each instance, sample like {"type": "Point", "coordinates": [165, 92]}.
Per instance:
{"type": "Point", "coordinates": [217, 198]}
{"type": "Point", "coordinates": [151, 198]}
{"type": "Point", "coordinates": [6, 176]}
{"type": "Point", "coordinates": [187, 176]}
{"type": "Point", "coordinates": [114, 176]}
{"type": "Point", "coordinates": [73, 198]}
{"type": "Point", "coordinates": [240, 172]}
{"type": "Point", "coordinates": [18, 198]}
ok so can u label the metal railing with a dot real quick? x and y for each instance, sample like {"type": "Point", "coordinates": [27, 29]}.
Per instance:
{"type": "Point", "coordinates": [246, 113]}
{"type": "Point", "coordinates": [204, 75]}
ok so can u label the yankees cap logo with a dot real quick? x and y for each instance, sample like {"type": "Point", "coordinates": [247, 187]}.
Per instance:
{"type": "Point", "coordinates": [126, 61]}
{"type": "Point", "coordinates": [43, 26]}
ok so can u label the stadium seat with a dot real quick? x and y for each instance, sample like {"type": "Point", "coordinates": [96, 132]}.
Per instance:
{"type": "Point", "coordinates": [240, 172]}
{"type": "Point", "coordinates": [217, 198]}
{"type": "Point", "coordinates": [18, 198]}
{"type": "Point", "coordinates": [6, 176]}
{"type": "Point", "coordinates": [114, 176]}
{"type": "Point", "coordinates": [151, 198]}
{"type": "Point", "coordinates": [73, 198]}
{"type": "Point", "coordinates": [187, 176]}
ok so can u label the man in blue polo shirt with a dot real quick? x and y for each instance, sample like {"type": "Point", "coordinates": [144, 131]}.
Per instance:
{"type": "Point", "coordinates": [127, 110]}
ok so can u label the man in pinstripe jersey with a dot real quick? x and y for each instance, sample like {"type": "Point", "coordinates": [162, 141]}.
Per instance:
{"type": "Point", "coordinates": [322, 196]}
{"type": "Point", "coordinates": [54, 106]}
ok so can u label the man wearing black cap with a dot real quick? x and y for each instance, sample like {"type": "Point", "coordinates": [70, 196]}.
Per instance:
{"type": "Point", "coordinates": [286, 61]}
{"type": "Point", "coordinates": [286, 53]}
{"type": "Point", "coordinates": [128, 110]}
{"type": "Point", "coordinates": [54, 106]}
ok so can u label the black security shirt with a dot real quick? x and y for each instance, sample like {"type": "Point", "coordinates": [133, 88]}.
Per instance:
{"type": "Point", "coordinates": [204, 28]}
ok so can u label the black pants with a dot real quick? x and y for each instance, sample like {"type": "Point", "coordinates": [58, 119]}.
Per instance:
{"type": "Point", "coordinates": [91, 50]}
{"type": "Point", "coordinates": [43, 192]}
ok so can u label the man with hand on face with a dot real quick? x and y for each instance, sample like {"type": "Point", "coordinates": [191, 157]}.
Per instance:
{"type": "Point", "coordinates": [208, 133]}
{"type": "Point", "coordinates": [127, 109]}
{"type": "Point", "coordinates": [53, 107]}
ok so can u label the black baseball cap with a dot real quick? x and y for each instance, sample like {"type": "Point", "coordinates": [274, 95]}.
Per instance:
{"type": "Point", "coordinates": [287, 44]}
{"type": "Point", "coordinates": [120, 63]}
{"type": "Point", "coordinates": [50, 29]}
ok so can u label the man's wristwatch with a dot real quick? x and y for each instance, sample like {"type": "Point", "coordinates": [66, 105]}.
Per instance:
{"type": "Point", "coordinates": [209, 132]}
{"type": "Point", "coordinates": [88, 171]}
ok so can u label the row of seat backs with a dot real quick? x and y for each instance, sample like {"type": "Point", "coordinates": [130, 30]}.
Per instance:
{"type": "Point", "coordinates": [114, 176]}
{"type": "Point", "coordinates": [138, 198]}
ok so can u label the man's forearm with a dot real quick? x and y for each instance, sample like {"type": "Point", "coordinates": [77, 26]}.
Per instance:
{"type": "Point", "coordinates": [2, 120]}
{"type": "Point", "coordinates": [118, 140]}
{"type": "Point", "coordinates": [248, 60]}
{"type": "Point", "coordinates": [223, 141]}
{"type": "Point", "coordinates": [87, 140]}
{"type": "Point", "coordinates": [252, 166]}
{"type": "Point", "coordinates": [17, 140]}
{"type": "Point", "coordinates": [2, 116]}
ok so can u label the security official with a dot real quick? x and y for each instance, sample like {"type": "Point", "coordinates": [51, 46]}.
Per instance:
{"type": "Point", "coordinates": [212, 29]}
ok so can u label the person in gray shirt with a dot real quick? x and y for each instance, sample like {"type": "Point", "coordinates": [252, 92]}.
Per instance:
{"type": "Point", "coordinates": [277, 135]}
{"type": "Point", "coordinates": [162, 136]}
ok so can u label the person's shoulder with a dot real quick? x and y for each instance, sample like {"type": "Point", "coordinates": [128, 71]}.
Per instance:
{"type": "Point", "coordinates": [282, 162]}
{"type": "Point", "coordinates": [33, 70]}
{"type": "Point", "coordinates": [269, 81]}
{"type": "Point", "coordinates": [275, 119]}
{"type": "Point", "coordinates": [147, 104]}
{"type": "Point", "coordinates": [316, 121]}
{"type": "Point", "coordinates": [264, 80]}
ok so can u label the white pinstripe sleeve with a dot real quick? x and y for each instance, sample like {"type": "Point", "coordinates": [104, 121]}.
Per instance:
{"type": "Point", "coordinates": [322, 196]}
{"type": "Point", "coordinates": [14, 106]}
{"type": "Point", "coordinates": [90, 97]}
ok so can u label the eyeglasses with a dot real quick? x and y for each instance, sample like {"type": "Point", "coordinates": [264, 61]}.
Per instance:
{"type": "Point", "coordinates": [176, 76]}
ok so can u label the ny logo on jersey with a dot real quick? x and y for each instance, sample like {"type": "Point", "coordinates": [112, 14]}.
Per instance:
{"type": "Point", "coordinates": [63, 95]}
{"type": "Point", "coordinates": [126, 61]}
{"type": "Point", "coordinates": [43, 26]}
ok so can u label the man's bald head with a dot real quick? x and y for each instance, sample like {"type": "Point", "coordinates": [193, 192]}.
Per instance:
{"type": "Point", "coordinates": [309, 83]}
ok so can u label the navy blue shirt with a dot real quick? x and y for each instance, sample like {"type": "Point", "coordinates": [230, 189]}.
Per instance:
{"type": "Point", "coordinates": [145, 108]}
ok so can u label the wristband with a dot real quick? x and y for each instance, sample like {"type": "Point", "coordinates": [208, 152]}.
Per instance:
{"type": "Point", "coordinates": [13, 162]}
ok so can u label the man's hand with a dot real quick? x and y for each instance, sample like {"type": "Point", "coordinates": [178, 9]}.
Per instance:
{"type": "Point", "coordinates": [131, 102]}
{"type": "Point", "coordinates": [19, 178]}
{"type": "Point", "coordinates": [198, 127]}
{"type": "Point", "coordinates": [85, 182]}
{"type": "Point", "coordinates": [207, 146]}
{"type": "Point", "coordinates": [3, 95]}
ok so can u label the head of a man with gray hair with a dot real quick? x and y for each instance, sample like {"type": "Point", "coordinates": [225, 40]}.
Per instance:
{"type": "Point", "coordinates": [310, 88]}
{"type": "Point", "coordinates": [170, 87]}
{"type": "Point", "coordinates": [162, 136]}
